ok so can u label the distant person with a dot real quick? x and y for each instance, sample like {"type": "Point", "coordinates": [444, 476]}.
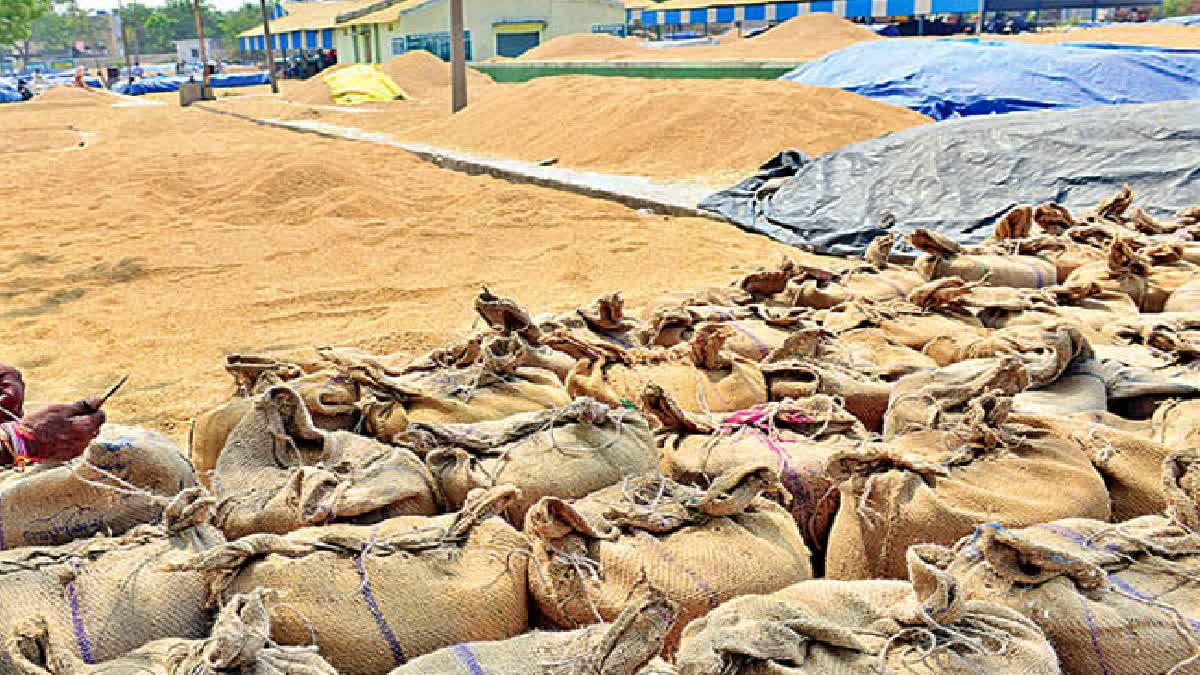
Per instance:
{"type": "Point", "coordinates": [180, 67]}
{"type": "Point", "coordinates": [81, 78]}
{"type": "Point", "coordinates": [138, 71]}
{"type": "Point", "coordinates": [23, 90]}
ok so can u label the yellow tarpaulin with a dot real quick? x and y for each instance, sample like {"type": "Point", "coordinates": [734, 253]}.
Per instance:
{"type": "Point", "coordinates": [362, 83]}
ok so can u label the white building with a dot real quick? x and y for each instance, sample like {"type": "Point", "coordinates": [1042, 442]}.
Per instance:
{"type": "Point", "coordinates": [188, 51]}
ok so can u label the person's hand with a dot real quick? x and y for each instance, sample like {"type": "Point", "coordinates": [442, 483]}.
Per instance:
{"type": "Point", "coordinates": [12, 392]}
{"type": "Point", "coordinates": [62, 431]}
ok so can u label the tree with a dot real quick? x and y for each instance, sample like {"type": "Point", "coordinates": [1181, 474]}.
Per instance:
{"type": "Point", "coordinates": [238, 21]}
{"type": "Point", "coordinates": [17, 17]}
{"type": "Point", "coordinates": [159, 30]}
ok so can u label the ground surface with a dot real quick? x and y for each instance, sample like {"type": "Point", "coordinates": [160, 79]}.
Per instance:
{"type": "Point", "coordinates": [177, 236]}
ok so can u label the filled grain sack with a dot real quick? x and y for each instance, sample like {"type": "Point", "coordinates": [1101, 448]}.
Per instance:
{"type": "Point", "coordinates": [924, 625]}
{"type": "Point", "coordinates": [1176, 424]}
{"type": "Point", "coordinates": [1080, 388]}
{"type": "Point", "coordinates": [1046, 350]}
{"type": "Point", "coordinates": [1124, 271]}
{"type": "Point", "coordinates": [119, 482]}
{"type": "Point", "coordinates": [488, 381]}
{"type": "Point", "coordinates": [604, 320]}
{"type": "Point", "coordinates": [567, 452]}
{"type": "Point", "coordinates": [1118, 599]}
{"type": "Point", "coordinates": [755, 332]}
{"type": "Point", "coordinates": [701, 375]}
{"type": "Point", "coordinates": [238, 643]}
{"type": "Point", "coordinates": [211, 428]}
{"type": "Point", "coordinates": [1130, 463]}
{"type": "Point", "coordinates": [864, 396]}
{"type": "Point", "coordinates": [948, 259]}
{"type": "Point", "coordinates": [628, 646]}
{"type": "Point", "coordinates": [902, 321]}
{"type": "Point", "coordinates": [697, 547]}
{"type": "Point", "coordinates": [873, 351]}
{"type": "Point", "coordinates": [1185, 298]}
{"type": "Point", "coordinates": [373, 596]}
{"type": "Point", "coordinates": [103, 597]}
{"type": "Point", "coordinates": [935, 486]}
{"type": "Point", "coordinates": [279, 473]}
{"type": "Point", "coordinates": [940, 398]}
{"type": "Point", "coordinates": [796, 436]}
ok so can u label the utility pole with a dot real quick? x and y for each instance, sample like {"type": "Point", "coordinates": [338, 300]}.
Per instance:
{"type": "Point", "coordinates": [979, 19]}
{"type": "Point", "coordinates": [120, 25]}
{"type": "Point", "coordinates": [458, 57]}
{"type": "Point", "coordinates": [200, 35]}
{"type": "Point", "coordinates": [267, 44]}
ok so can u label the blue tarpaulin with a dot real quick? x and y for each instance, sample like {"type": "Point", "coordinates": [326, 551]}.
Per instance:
{"type": "Point", "coordinates": [154, 85]}
{"type": "Point", "coordinates": [951, 78]}
{"type": "Point", "coordinates": [9, 95]}
{"type": "Point", "coordinates": [1191, 20]}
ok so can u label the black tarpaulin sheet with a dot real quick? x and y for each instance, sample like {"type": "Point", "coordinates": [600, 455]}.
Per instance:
{"type": "Point", "coordinates": [957, 177]}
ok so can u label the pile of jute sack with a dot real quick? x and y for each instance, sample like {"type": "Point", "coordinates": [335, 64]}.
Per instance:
{"type": "Point", "coordinates": [984, 461]}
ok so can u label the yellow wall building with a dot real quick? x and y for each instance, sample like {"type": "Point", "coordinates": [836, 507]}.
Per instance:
{"type": "Point", "coordinates": [373, 32]}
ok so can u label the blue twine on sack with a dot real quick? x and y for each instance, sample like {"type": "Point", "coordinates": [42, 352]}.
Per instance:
{"type": "Point", "coordinates": [81, 636]}
{"type": "Point", "coordinates": [467, 658]}
{"type": "Point", "coordinates": [385, 630]}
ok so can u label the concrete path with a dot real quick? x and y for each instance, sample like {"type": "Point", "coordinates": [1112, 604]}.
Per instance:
{"type": "Point", "coordinates": [676, 199]}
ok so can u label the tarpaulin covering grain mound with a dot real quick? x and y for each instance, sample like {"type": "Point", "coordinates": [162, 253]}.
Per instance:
{"type": "Point", "coordinates": [958, 177]}
{"type": "Point", "coordinates": [952, 78]}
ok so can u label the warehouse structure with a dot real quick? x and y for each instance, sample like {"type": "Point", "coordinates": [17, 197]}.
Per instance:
{"type": "Point", "coordinates": [710, 16]}
{"type": "Point", "coordinates": [374, 31]}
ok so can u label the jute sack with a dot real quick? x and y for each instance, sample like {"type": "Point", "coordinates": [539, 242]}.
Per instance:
{"type": "Point", "coordinates": [1046, 350]}
{"type": "Point", "coordinates": [936, 486]}
{"type": "Point", "coordinates": [698, 548]}
{"type": "Point", "coordinates": [1131, 464]}
{"type": "Point", "coordinates": [279, 473]}
{"type": "Point", "coordinates": [940, 398]}
{"type": "Point", "coordinates": [871, 350]}
{"type": "Point", "coordinates": [239, 643]}
{"type": "Point", "coordinates": [373, 596]}
{"type": "Point", "coordinates": [1081, 388]}
{"type": "Point", "coordinates": [486, 382]}
{"type": "Point", "coordinates": [1176, 424]}
{"type": "Point", "coordinates": [863, 396]}
{"type": "Point", "coordinates": [796, 437]}
{"type": "Point", "coordinates": [628, 646]}
{"type": "Point", "coordinates": [1123, 271]}
{"type": "Point", "coordinates": [211, 428]}
{"type": "Point", "coordinates": [903, 322]}
{"type": "Point", "coordinates": [1186, 298]}
{"type": "Point", "coordinates": [1119, 599]}
{"type": "Point", "coordinates": [101, 598]}
{"type": "Point", "coordinates": [948, 259]}
{"type": "Point", "coordinates": [753, 337]}
{"type": "Point", "coordinates": [924, 625]}
{"type": "Point", "coordinates": [109, 489]}
{"type": "Point", "coordinates": [567, 452]}
{"type": "Point", "coordinates": [700, 375]}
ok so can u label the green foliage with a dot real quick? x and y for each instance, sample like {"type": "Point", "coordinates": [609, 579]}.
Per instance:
{"type": "Point", "coordinates": [17, 18]}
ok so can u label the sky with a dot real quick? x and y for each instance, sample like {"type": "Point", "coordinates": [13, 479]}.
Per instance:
{"type": "Point", "coordinates": [110, 4]}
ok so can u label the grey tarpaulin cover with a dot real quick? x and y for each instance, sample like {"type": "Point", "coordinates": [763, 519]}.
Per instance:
{"type": "Point", "coordinates": [957, 177]}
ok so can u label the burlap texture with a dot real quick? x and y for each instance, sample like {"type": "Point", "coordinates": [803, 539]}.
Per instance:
{"type": "Point", "coordinates": [103, 597]}
{"type": "Point", "coordinates": [1117, 599]}
{"type": "Point", "coordinates": [628, 646]}
{"type": "Point", "coordinates": [871, 350]}
{"type": "Point", "coordinates": [1131, 464]}
{"type": "Point", "coordinates": [485, 380]}
{"type": "Point", "coordinates": [567, 452]}
{"type": "Point", "coordinates": [1080, 388]}
{"type": "Point", "coordinates": [1046, 350]}
{"type": "Point", "coordinates": [939, 398]}
{"type": "Point", "coordinates": [936, 486]}
{"type": "Point", "coordinates": [279, 473]}
{"type": "Point", "coordinates": [53, 504]}
{"type": "Point", "coordinates": [1185, 298]}
{"type": "Point", "coordinates": [700, 375]}
{"type": "Point", "coordinates": [1163, 282]}
{"type": "Point", "coordinates": [697, 548]}
{"type": "Point", "coordinates": [925, 625]}
{"type": "Point", "coordinates": [946, 259]}
{"type": "Point", "coordinates": [238, 643]}
{"type": "Point", "coordinates": [796, 437]}
{"type": "Point", "coordinates": [375, 596]}
{"type": "Point", "coordinates": [903, 322]}
{"type": "Point", "coordinates": [1123, 271]}
{"type": "Point", "coordinates": [1177, 424]}
{"type": "Point", "coordinates": [864, 396]}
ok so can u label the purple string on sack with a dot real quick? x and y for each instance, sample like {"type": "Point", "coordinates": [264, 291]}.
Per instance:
{"type": "Point", "coordinates": [714, 598]}
{"type": "Point", "coordinates": [1092, 631]}
{"type": "Point", "coordinates": [466, 657]}
{"type": "Point", "coordinates": [364, 585]}
{"type": "Point", "coordinates": [759, 344]}
{"type": "Point", "coordinates": [81, 636]}
{"type": "Point", "coordinates": [3, 539]}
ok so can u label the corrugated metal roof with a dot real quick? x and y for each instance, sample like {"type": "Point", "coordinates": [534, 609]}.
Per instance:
{"type": "Point", "coordinates": [387, 14]}
{"type": "Point", "coordinates": [310, 16]}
